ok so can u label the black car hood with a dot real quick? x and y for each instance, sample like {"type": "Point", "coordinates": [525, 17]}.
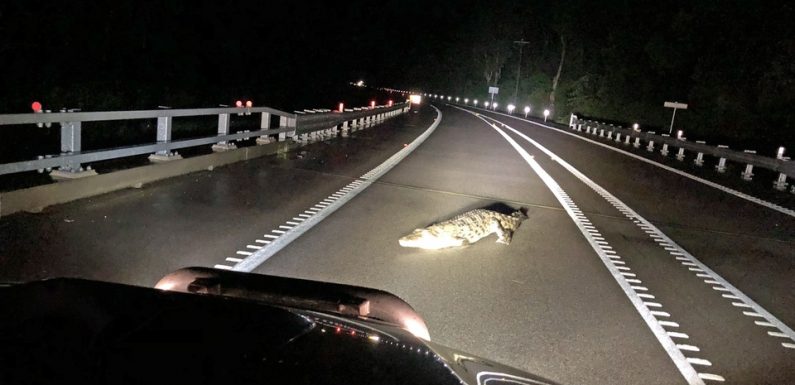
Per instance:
{"type": "Point", "coordinates": [80, 331]}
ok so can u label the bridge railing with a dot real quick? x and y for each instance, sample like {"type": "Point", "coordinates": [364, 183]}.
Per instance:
{"type": "Point", "coordinates": [637, 138]}
{"type": "Point", "coordinates": [301, 126]}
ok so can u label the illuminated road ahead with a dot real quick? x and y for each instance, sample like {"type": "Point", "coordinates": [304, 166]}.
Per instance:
{"type": "Point", "coordinates": [624, 272]}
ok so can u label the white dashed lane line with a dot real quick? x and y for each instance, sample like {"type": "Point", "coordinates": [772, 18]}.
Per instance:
{"type": "Point", "coordinates": [728, 190]}
{"type": "Point", "coordinates": [649, 310]}
{"type": "Point", "coordinates": [283, 235]}
{"type": "Point", "coordinates": [701, 271]}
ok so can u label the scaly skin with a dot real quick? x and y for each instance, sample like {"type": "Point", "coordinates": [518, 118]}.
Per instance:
{"type": "Point", "coordinates": [465, 229]}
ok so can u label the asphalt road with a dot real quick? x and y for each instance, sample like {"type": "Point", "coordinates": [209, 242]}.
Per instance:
{"type": "Point", "coordinates": [546, 303]}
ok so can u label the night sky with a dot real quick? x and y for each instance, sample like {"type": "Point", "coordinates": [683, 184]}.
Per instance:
{"type": "Point", "coordinates": [732, 61]}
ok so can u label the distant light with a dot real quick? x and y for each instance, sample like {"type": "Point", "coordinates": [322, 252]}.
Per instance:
{"type": "Point", "coordinates": [372, 104]}
{"type": "Point", "coordinates": [475, 102]}
{"type": "Point", "coordinates": [636, 127]}
{"type": "Point", "coordinates": [360, 83]}
{"type": "Point", "coordinates": [511, 107]}
{"type": "Point", "coordinates": [546, 112]}
{"type": "Point", "coordinates": [389, 103]}
{"type": "Point", "coordinates": [338, 329]}
{"type": "Point", "coordinates": [780, 152]}
{"type": "Point", "coordinates": [36, 106]}
{"type": "Point", "coordinates": [353, 332]}
{"type": "Point", "coordinates": [494, 106]}
{"type": "Point", "coordinates": [679, 134]}
{"type": "Point", "coordinates": [526, 109]}
{"type": "Point", "coordinates": [486, 104]}
{"type": "Point", "coordinates": [374, 338]}
{"type": "Point", "coordinates": [449, 98]}
{"type": "Point", "coordinates": [456, 99]}
{"type": "Point", "coordinates": [238, 103]}
{"type": "Point", "coordinates": [342, 107]}
{"type": "Point", "coordinates": [249, 103]}
{"type": "Point", "coordinates": [415, 99]}
{"type": "Point", "coordinates": [466, 101]}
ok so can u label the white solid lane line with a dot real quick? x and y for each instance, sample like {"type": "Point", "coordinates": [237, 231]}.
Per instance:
{"type": "Point", "coordinates": [736, 193]}
{"type": "Point", "coordinates": [649, 316]}
{"type": "Point", "coordinates": [696, 266]}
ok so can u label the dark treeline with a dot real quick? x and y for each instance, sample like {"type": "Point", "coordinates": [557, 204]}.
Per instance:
{"type": "Point", "coordinates": [732, 61]}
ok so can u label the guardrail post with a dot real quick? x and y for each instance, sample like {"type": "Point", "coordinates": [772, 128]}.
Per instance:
{"type": "Point", "coordinates": [781, 183]}
{"type": "Point", "coordinates": [637, 142]}
{"type": "Point", "coordinates": [223, 129]}
{"type": "Point", "coordinates": [265, 124]}
{"type": "Point", "coordinates": [610, 135]}
{"type": "Point", "coordinates": [164, 124]}
{"type": "Point", "coordinates": [748, 174]}
{"type": "Point", "coordinates": [602, 133]}
{"type": "Point", "coordinates": [618, 137]}
{"type": "Point", "coordinates": [71, 142]}
{"type": "Point", "coordinates": [627, 139]}
{"type": "Point", "coordinates": [721, 167]}
{"type": "Point", "coordinates": [664, 150]}
{"type": "Point", "coordinates": [680, 156]}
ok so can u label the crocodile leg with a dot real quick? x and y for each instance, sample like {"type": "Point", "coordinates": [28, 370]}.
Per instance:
{"type": "Point", "coordinates": [503, 236]}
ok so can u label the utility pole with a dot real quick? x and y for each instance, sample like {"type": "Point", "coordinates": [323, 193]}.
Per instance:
{"type": "Point", "coordinates": [519, 67]}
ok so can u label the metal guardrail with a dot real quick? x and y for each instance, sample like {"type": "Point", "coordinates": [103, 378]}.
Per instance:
{"type": "Point", "coordinates": [302, 126]}
{"type": "Point", "coordinates": [636, 138]}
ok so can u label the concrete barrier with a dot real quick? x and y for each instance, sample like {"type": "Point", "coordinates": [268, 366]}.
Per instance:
{"type": "Point", "coordinates": [35, 199]}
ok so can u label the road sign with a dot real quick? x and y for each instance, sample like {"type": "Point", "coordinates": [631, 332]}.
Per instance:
{"type": "Point", "coordinates": [675, 106]}
{"type": "Point", "coordinates": [494, 90]}
{"type": "Point", "coordinates": [680, 106]}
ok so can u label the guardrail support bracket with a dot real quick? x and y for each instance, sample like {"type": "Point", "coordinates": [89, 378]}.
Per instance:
{"type": "Point", "coordinates": [721, 167]}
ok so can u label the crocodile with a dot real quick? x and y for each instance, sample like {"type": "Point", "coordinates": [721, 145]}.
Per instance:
{"type": "Point", "coordinates": [465, 229]}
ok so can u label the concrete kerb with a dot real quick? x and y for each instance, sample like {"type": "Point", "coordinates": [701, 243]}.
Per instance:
{"type": "Point", "coordinates": [35, 199]}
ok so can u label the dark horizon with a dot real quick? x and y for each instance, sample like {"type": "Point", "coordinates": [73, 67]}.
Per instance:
{"type": "Point", "coordinates": [728, 60]}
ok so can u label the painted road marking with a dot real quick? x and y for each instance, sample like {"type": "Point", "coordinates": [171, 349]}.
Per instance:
{"type": "Point", "coordinates": [641, 222]}
{"type": "Point", "coordinates": [323, 209]}
{"type": "Point", "coordinates": [649, 316]}
{"type": "Point", "coordinates": [736, 193]}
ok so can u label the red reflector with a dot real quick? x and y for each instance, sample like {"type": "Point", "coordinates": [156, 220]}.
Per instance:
{"type": "Point", "coordinates": [249, 103]}
{"type": "Point", "coordinates": [339, 329]}
{"type": "Point", "coordinates": [238, 104]}
{"type": "Point", "coordinates": [353, 333]}
{"type": "Point", "coordinates": [36, 106]}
